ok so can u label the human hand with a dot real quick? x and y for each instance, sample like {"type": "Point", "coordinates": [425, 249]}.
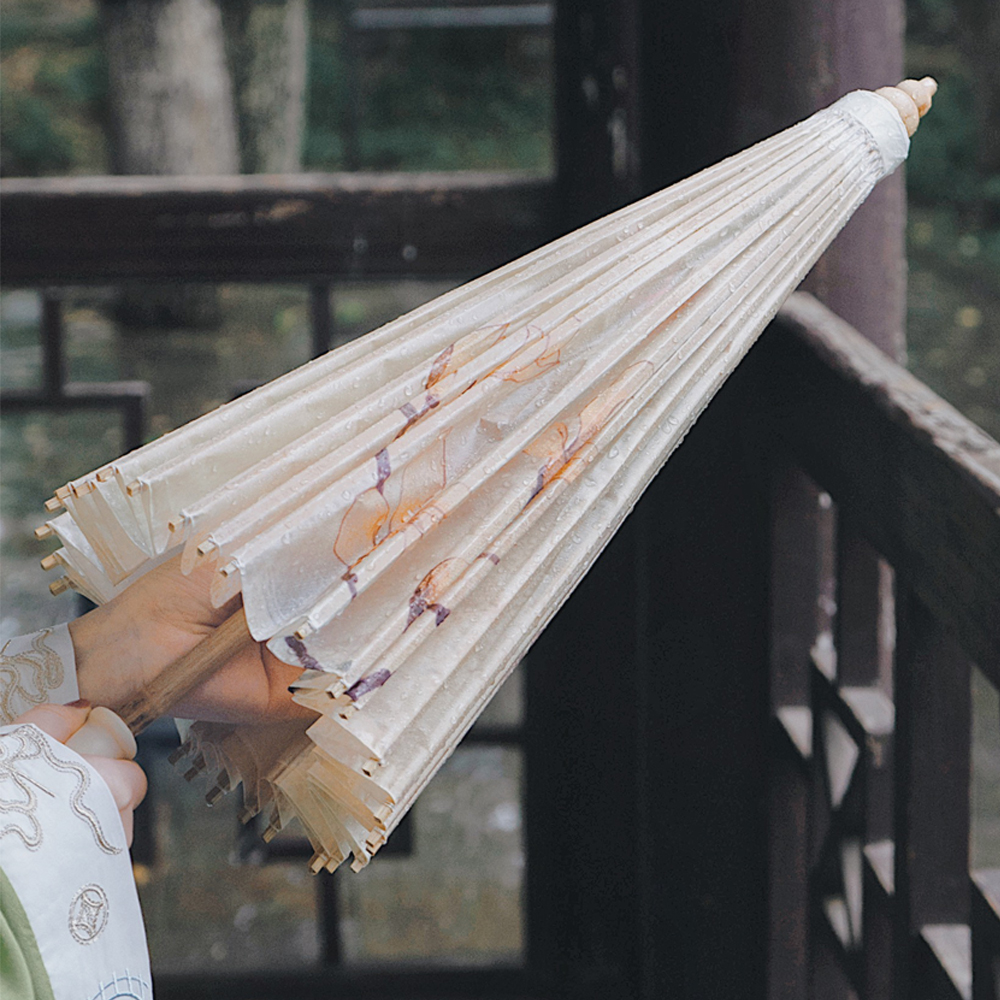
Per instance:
{"type": "Point", "coordinates": [123, 645]}
{"type": "Point", "coordinates": [125, 779]}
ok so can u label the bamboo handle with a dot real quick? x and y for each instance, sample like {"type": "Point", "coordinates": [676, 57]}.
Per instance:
{"type": "Point", "coordinates": [187, 672]}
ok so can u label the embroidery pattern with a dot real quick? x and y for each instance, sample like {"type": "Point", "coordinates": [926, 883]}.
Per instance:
{"type": "Point", "coordinates": [31, 745]}
{"type": "Point", "coordinates": [28, 676]}
{"type": "Point", "coordinates": [126, 986]}
{"type": "Point", "coordinates": [88, 913]}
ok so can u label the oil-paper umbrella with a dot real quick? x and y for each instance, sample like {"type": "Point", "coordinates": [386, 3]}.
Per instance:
{"type": "Point", "coordinates": [404, 515]}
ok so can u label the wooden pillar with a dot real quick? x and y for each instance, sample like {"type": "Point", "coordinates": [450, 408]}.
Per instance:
{"type": "Point", "coordinates": [587, 849]}
{"type": "Point", "coordinates": [597, 93]}
{"type": "Point", "coordinates": [707, 583]}
{"type": "Point", "coordinates": [648, 769]}
{"type": "Point", "coordinates": [793, 57]}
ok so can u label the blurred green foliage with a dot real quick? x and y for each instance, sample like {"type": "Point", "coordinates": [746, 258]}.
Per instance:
{"type": "Point", "coordinates": [433, 99]}
{"type": "Point", "coordinates": [945, 165]}
{"type": "Point", "coordinates": [422, 100]}
{"type": "Point", "coordinates": [53, 85]}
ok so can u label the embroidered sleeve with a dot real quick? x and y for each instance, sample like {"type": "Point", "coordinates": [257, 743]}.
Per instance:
{"type": "Point", "coordinates": [66, 862]}
{"type": "Point", "coordinates": [37, 668]}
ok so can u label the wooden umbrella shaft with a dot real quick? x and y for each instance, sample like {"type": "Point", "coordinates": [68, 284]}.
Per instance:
{"type": "Point", "coordinates": [187, 672]}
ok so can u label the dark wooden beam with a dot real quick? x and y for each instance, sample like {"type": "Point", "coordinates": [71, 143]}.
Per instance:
{"type": "Point", "coordinates": [262, 228]}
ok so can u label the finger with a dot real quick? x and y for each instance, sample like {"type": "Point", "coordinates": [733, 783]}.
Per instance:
{"type": "Point", "coordinates": [280, 677]}
{"type": "Point", "coordinates": [128, 825]}
{"type": "Point", "coordinates": [185, 601]}
{"type": "Point", "coordinates": [127, 783]}
{"type": "Point", "coordinates": [125, 780]}
{"type": "Point", "coordinates": [59, 721]}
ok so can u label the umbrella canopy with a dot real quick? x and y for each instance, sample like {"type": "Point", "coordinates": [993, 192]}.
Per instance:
{"type": "Point", "coordinates": [404, 515]}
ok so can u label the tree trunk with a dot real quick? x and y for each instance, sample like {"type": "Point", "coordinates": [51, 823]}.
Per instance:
{"type": "Point", "coordinates": [268, 49]}
{"type": "Point", "coordinates": [172, 112]}
{"type": "Point", "coordinates": [170, 96]}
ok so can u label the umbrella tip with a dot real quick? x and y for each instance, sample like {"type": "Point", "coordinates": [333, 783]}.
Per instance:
{"type": "Point", "coordinates": [911, 99]}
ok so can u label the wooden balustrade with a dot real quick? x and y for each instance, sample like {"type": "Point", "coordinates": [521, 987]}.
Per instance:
{"type": "Point", "coordinates": [870, 799]}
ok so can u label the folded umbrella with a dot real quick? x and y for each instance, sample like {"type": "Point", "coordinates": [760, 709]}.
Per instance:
{"type": "Point", "coordinates": [404, 515]}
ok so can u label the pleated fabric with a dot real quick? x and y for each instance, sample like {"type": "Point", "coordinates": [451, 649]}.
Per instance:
{"type": "Point", "coordinates": [404, 515]}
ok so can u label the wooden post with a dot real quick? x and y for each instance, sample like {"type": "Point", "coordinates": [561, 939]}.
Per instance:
{"type": "Point", "coordinates": [597, 108]}
{"type": "Point", "coordinates": [863, 655]}
{"type": "Point", "coordinates": [588, 849]}
{"type": "Point", "coordinates": [320, 318]}
{"type": "Point", "coordinates": [800, 579]}
{"type": "Point", "coordinates": [53, 345]}
{"type": "Point", "coordinates": [658, 866]}
{"type": "Point", "coordinates": [933, 712]}
{"type": "Point", "coordinates": [793, 57]}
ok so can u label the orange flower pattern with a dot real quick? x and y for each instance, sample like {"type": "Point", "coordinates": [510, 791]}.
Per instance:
{"type": "Point", "coordinates": [532, 360]}
{"type": "Point", "coordinates": [560, 445]}
{"type": "Point", "coordinates": [407, 496]}
{"type": "Point", "coordinates": [391, 503]}
{"type": "Point", "coordinates": [431, 589]}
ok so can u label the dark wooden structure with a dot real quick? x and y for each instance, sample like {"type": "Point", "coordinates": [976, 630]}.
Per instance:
{"type": "Point", "coordinates": [775, 804]}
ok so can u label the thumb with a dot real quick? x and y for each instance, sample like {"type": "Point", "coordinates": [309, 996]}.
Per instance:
{"type": "Point", "coordinates": [59, 721]}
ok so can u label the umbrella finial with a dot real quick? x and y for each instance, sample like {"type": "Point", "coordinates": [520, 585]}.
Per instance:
{"type": "Point", "coordinates": [912, 99]}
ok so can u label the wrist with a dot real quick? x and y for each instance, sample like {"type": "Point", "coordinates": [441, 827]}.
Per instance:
{"type": "Point", "coordinates": [101, 640]}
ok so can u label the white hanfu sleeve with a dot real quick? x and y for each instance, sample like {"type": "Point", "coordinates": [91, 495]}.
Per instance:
{"type": "Point", "coordinates": [67, 873]}
{"type": "Point", "coordinates": [35, 669]}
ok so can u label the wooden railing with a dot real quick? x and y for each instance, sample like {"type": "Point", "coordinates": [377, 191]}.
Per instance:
{"type": "Point", "coordinates": [268, 228]}
{"type": "Point", "coordinates": [869, 888]}
{"type": "Point", "coordinates": [870, 797]}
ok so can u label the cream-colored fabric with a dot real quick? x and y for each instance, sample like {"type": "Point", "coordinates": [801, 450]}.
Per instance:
{"type": "Point", "coordinates": [64, 854]}
{"type": "Point", "coordinates": [404, 515]}
{"type": "Point", "coordinates": [37, 668]}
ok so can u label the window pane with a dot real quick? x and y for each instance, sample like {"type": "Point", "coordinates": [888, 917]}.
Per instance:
{"type": "Point", "coordinates": [206, 911]}
{"type": "Point", "coordinates": [20, 314]}
{"type": "Point", "coordinates": [457, 898]}
{"type": "Point", "coordinates": [39, 452]}
{"type": "Point", "coordinates": [507, 706]}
